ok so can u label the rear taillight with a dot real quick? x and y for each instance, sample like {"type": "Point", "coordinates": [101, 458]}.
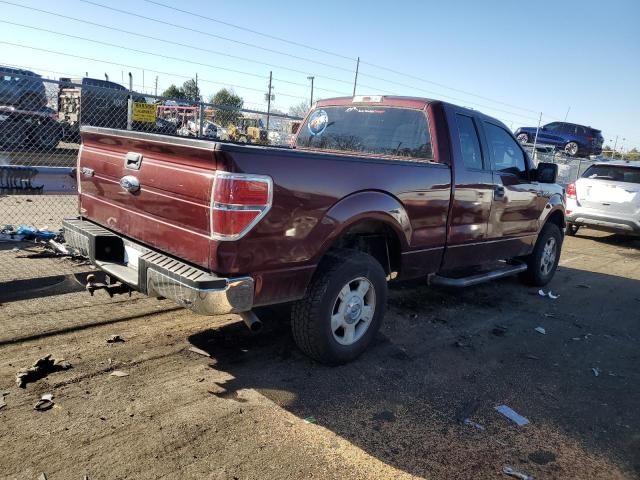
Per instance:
{"type": "Point", "coordinates": [238, 202]}
{"type": "Point", "coordinates": [571, 190]}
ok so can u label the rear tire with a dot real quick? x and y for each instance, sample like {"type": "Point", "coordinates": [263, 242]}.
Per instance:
{"type": "Point", "coordinates": [571, 149]}
{"type": "Point", "coordinates": [572, 229]}
{"type": "Point", "coordinates": [543, 261]}
{"type": "Point", "coordinates": [343, 309]}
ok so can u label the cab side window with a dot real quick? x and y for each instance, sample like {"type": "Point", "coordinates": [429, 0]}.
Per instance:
{"type": "Point", "coordinates": [469, 143]}
{"type": "Point", "coordinates": [507, 155]}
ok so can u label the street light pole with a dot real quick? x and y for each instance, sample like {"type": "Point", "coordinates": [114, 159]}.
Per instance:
{"type": "Point", "coordinates": [311, 102]}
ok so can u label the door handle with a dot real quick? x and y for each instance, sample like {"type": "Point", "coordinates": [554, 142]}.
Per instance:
{"type": "Point", "coordinates": [498, 192]}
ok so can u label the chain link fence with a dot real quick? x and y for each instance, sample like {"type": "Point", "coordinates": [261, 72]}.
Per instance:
{"type": "Point", "coordinates": [40, 124]}
{"type": "Point", "coordinates": [569, 168]}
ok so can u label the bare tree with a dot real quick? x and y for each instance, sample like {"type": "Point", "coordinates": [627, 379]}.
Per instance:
{"type": "Point", "coordinates": [299, 110]}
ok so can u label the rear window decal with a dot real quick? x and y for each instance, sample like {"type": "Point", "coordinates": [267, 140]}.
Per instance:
{"type": "Point", "coordinates": [318, 122]}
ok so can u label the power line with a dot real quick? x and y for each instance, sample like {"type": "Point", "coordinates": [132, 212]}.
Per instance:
{"type": "Point", "coordinates": [138, 67]}
{"type": "Point", "coordinates": [168, 57]}
{"type": "Point", "coordinates": [245, 29]}
{"type": "Point", "coordinates": [170, 42]}
{"type": "Point", "coordinates": [266, 35]}
{"type": "Point", "coordinates": [202, 32]}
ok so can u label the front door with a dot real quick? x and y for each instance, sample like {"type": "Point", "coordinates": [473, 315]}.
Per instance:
{"type": "Point", "coordinates": [517, 200]}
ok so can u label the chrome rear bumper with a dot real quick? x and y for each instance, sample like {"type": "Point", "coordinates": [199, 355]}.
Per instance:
{"type": "Point", "coordinates": [158, 275]}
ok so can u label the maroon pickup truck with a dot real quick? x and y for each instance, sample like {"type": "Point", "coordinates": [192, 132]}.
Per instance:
{"type": "Point", "coordinates": [373, 189]}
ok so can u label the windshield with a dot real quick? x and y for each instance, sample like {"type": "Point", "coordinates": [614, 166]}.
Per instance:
{"type": "Point", "coordinates": [613, 172]}
{"type": "Point", "coordinates": [398, 132]}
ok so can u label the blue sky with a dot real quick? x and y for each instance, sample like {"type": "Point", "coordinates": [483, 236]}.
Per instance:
{"type": "Point", "coordinates": [509, 59]}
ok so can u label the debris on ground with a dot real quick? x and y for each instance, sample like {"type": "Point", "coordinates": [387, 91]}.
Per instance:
{"type": "Point", "coordinates": [512, 472]}
{"type": "Point", "coordinates": [199, 351]}
{"type": "Point", "coordinates": [500, 330]}
{"type": "Point", "coordinates": [43, 367]}
{"type": "Point", "coordinates": [468, 421]}
{"type": "Point", "coordinates": [512, 415]}
{"type": "Point", "coordinates": [26, 233]}
{"type": "Point", "coordinates": [549, 294]}
{"type": "Point", "coordinates": [119, 373]}
{"type": "Point", "coordinates": [115, 339]}
{"type": "Point", "coordinates": [2, 402]}
{"type": "Point", "coordinates": [540, 330]}
{"type": "Point", "coordinates": [583, 285]}
{"type": "Point", "coordinates": [45, 403]}
{"type": "Point", "coordinates": [310, 419]}
{"type": "Point", "coordinates": [596, 371]}
{"type": "Point", "coordinates": [531, 357]}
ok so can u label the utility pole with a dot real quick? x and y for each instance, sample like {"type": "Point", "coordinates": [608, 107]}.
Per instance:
{"type": "Point", "coordinates": [197, 93]}
{"type": "Point", "coordinates": [311, 102]}
{"type": "Point", "coordinates": [613, 154]}
{"type": "Point", "coordinates": [156, 86]}
{"type": "Point", "coordinates": [269, 98]}
{"type": "Point", "coordinates": [106, 77]}
{"type": "Point", "coordinates": [535, 140]}
{"type": "Point", "coordinates": [355, 80]}
{"type": "Point", "coordinates": [568, 110]}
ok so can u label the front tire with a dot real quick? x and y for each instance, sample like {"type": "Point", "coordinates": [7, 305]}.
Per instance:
{"type": "Point", "coordinates": [523, 138]}
{"type": "Point", "coordinates": [543, 261]}
{"type": "Point", "coordinates": [343, 309]}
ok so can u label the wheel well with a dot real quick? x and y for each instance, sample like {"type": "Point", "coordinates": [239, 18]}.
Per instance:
{"type": "Point", "coordinates": [376, 239]}
{"type": "Point", "coordinates": [558, 219]}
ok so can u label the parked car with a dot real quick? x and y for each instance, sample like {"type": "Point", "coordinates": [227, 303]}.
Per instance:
{"type": "Point", "coordinates": [576, 140]}
{"type": "Point", "coordinates": [606, 197]}
{"type": "Point", "coordinates": [376, 188]}
{"type": "Point", "coordinates": [22, 89]}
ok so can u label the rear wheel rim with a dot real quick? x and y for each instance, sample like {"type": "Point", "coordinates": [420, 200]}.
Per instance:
{"type": "Point", "coordinates": [353, 311]}
{"type": "Point", "coordinates": [549, 253]}
{"type": "Point", "coordinates": [571, 148]}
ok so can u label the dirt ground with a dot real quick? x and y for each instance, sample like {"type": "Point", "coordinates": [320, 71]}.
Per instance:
{"type": "Point", "coordinates": [257, 408]}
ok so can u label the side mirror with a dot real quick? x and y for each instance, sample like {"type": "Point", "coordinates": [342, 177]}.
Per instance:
{"type": "Point", "coordinates": [547, 172]}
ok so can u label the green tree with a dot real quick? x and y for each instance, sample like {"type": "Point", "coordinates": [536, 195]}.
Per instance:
{"type": "Point", "coordinates": [232, 104]}
{"type": "Point", "coordinates": [191, 91]}
{"type": "Point", "coordinates": [299, 110]}
{"type": "Point", "coordinates": [174, 92]}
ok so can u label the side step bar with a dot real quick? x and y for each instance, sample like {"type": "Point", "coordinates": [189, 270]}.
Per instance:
{"type": "Point", "coordinates": [506, 271]}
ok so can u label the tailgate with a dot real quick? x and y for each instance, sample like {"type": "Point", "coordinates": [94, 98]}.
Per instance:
{"type": "Point", "coordinates": [170, 210]}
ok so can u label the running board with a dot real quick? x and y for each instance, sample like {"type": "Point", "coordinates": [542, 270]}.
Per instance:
{"type": "Point", "coordinates": [506, 271]}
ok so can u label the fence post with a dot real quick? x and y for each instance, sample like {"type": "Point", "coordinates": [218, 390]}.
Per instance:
{"type": "Point", "coordinates": [201, 117]}
{"type": "Point", "coordinates": [130, 104]}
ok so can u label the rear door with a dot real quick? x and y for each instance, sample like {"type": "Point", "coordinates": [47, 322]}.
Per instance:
{"type": "Point", "coordinates": [610, 189]}
{"type": "Point", "coordinates": [552, 133]}
{"type": "Point", "coordinates": [473, 191]}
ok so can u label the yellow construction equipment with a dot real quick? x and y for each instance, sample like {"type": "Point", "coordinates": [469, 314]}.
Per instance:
{"type": "Point", "coordinates": [248, 130]}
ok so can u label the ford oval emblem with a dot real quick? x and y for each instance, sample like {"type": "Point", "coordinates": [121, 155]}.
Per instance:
{"type": "Point", "coordinates": [130, 183]}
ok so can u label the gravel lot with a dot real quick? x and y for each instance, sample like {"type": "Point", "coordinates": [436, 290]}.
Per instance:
{"type": "Point", "coordinates": [442, 356]}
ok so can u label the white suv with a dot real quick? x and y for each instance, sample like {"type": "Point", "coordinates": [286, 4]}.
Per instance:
{"type": "Point", "coordinates": [606, 197]}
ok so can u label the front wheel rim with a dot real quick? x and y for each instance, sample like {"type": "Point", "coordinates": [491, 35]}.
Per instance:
{"type": "Point", "coordinates": [523, 138]}
{"type": "Point", "coordinates": [548, 259]}
{"type": "Point", "coordinates": [353, 311]}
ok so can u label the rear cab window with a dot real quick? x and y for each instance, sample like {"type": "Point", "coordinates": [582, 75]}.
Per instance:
{"type": "Point", "coordinates": [372, 130]}
{"type": "Point", "coordinates": [616, 173]}
{"type": "Point", "coordinates": [469, 143]}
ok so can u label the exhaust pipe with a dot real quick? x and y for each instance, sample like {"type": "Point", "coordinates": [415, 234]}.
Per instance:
{"type": "Point", "coordinates": [252, 321]}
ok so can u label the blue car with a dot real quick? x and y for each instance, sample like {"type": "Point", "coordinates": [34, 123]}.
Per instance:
{"type": "Point", "coordinates": [576, 140]}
